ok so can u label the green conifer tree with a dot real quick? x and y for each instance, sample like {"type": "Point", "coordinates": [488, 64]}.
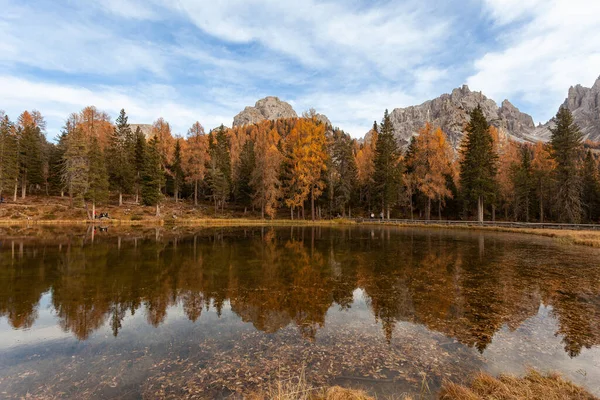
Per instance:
{"type": "Point", "coordinates": [98, 176]}
{"type": "Point", "coordinates": [219, 176]}
{"type": "Point", "coordinates": [566, 146]}
{"type": "Point", "coordinates": [388, 170]}
{"type": "Point", "coordinates": [478, 167]}
{"type": "Point", "coordinates": [9, 153]}
{"type": "Point", "coordinates": [524, 184]}
{"type": "Point", "coordinates": [591, 188]}
{"type": "Point", "coordinates": [152, 176]}
{"type": "Point", "coordinates": [31, 156]}
{"type": "Point", "coordinates": [75, 171]}
{"type": "Point", "coordinates": [119, 155]}
{"type": "Point", "coordinates": [247, 163]}
{"type": "Point", "coordinates": [137, 163]}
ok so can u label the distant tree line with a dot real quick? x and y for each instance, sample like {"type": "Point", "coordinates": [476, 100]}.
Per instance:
{"type": "Point", "coordinates": [301, 164]}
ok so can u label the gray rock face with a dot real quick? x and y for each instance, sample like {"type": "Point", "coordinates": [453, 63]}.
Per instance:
{"type": "Point", "coordinates": [451, 113]}
{"type": "Point", "coordinates": [270, 108]}
{"type": "Point", "coordinates": [584, 103]}
{"type": "Point", "coordinates": [145, 128]}
{"type": "Point", "coordinates": [323, 118]}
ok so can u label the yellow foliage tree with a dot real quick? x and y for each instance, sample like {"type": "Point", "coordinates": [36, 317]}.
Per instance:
{"type": "Point", "coordinates": [307, 149]}
{"type": "Point", "coordinates": [265, 176]}
{"type": "Point", "coordinates": [195, 156]}
{"type": "Point", "coordinates": [431, 164]}
{"type": "Point", "coordinates": [543, 168]}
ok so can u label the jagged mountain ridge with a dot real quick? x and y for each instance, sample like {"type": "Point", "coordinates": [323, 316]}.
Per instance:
{"type": "Point", "coordinates": [584, 103]}
{"type": "Point", "coordinates": [451, 113]}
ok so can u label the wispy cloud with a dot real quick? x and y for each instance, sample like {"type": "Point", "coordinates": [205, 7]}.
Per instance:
{"type": "Point", "coordinates": [144, 103]}
{"type": "Point", "coordinates": [554, 44]}
{"type": "Point", "coordinates": [187, 60]}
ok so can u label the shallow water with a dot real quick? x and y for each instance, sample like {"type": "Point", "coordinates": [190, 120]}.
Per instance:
{"type": "Point", "coordinates": [220, 312]}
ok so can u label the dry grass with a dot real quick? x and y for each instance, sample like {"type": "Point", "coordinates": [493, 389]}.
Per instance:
{"type": "Point", "coordinates": [508, 387]}
{"type": "Point", "coordinates": [298, 388]}
{"type": "Point", "coordinates": [566, 236]}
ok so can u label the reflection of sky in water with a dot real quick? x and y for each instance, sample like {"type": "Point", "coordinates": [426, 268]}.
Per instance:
{"type": "Point", "coordinates": [425, 303]}
{"type": "Point", "coordinates": [532, 344]}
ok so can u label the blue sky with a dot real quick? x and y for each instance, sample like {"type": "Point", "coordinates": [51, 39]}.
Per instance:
{"type": "Point", "coordinates": [188, 60]}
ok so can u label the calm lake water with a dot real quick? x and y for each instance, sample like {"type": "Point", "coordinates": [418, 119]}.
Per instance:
{"type": "Point", "coordinates": [213, 313]}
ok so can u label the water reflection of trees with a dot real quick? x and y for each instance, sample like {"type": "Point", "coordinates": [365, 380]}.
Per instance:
{"type": "Point", "coordinates": [467, 287]}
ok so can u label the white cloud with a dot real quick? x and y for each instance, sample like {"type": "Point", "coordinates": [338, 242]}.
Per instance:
{"type": "Point", "coordinates": [72, 43]}
{"type": "Point", "coordinates": [387, 38]}
{"type": "Point", "coordinates": [133, 9]}
{"type": "Point", "coordinates": [143, 104]}
{"type": "Point", "coordinates": [354, 112]}
{"type": "Point", "coordinates": [558, 46]}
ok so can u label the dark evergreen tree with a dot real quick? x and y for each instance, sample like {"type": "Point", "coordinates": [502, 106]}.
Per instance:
{"type": "Point", "coordinates": [139, 152]}
{"type": "Point", "coordinates": [344, 165]}
{"type": "Point", "coordinates": [525, 185]}
{"type": "Point", "coordinates": [119, 155]}
{"type": "Point", "coordinates": [97, 176]}
{"type": "Point", "coordinates": [219, 174]}
{"type": "Point", "coordinates": [388, 170]}
{"type": "Point", "coordinates": [591, 188]}
{"type": "Point", "coordinates": [247, 163]}
{"type": "Point", "coordinates": [152, 176]}
{"type": "Point", "coordinates": [31, 157]}
{"type": "Point", "coordinates": [55, 165]}
{"type": "Point", "coordinates": [9, 156]}
{"type": "Point", "coordinates": [566, 145]}
{"type": "Point", "coordinates": [478, 167]}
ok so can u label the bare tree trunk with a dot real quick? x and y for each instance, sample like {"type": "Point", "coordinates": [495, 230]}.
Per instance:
{"type": "Point", "coordinates": [480, 209]}
{"type": "Point", "coordinates": [16, 190]}
{"type": "Point", "coordinates": [157, 210]}
{"type": "Point", "coordinates": [23, 187]}
{"type": "Point", "coordinates": [120, 198]}
{"type": "Point", "coordinates": [312, 202]}
{"type": "Point", "coordinates": [292, 213]}
{"type": "Point", "coordinates": [93, 210]}
{"type": "Point", "coordinates": [541, 205]}
{"type": "Point", "coordinates": [428, 215]}
{"type": "Point", "coordinates": [87, 209]}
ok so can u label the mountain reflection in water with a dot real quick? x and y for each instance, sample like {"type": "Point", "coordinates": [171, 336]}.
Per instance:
{"type": "Point", "coordinates": [291, 282]}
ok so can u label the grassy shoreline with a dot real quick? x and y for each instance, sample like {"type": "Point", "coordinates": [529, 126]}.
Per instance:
{"type": "Point", "coordinates": [565, 236]}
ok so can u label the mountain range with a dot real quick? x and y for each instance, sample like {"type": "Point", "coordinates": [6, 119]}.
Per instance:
{"type": "Point", "coordinates": [450, 111]}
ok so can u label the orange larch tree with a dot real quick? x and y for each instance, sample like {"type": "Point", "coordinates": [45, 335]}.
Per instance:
{"type": "Point", "coordinates": [543, 168]}
{"type": "Point", "coordinates": [265, 176]}
{"type": "Point", "coordinates": [307, 150]}
{"type": "Point", "coordinates": [508, 159]}
{"type": "Point", "coordinates": [195, 156]}
{"type": "Point", "coordinates": [431, 164]}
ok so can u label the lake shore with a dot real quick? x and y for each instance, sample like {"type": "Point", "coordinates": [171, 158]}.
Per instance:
{"type": "Point", "coordinates": [565, 236]}
{"type": "Point", "coordinates": [40, 211]}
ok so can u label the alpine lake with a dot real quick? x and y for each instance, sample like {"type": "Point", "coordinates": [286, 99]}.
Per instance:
{"type": "Point", "coordinates": [171, 312]}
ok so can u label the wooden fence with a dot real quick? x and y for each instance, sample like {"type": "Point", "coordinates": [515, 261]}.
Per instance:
{"type": "Point", "coordinates": [503, 224]}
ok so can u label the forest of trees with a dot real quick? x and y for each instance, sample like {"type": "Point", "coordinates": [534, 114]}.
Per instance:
{"type": "Point", "coordinates": [287, 166]}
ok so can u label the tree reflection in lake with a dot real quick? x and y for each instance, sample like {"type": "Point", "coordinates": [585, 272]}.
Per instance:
{"type": "Point", "coordinates": [463, 285]}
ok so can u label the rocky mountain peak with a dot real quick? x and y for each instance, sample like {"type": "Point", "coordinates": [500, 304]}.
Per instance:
{"type": "Point", "coordinates": [269, 108]}
{"type": "Point", "coordinates": [584, 103]}
{"type": "Point", "coordinates": [451, 113]}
